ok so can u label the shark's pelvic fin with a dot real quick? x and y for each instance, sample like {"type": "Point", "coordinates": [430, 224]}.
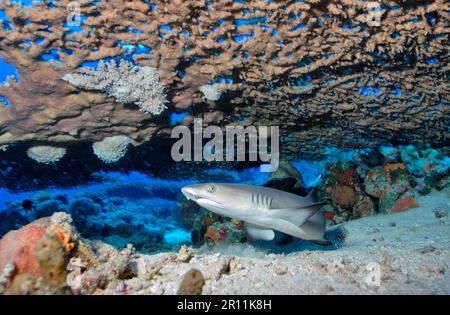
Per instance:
{"type": "Point", "coordinates": [257, 233]}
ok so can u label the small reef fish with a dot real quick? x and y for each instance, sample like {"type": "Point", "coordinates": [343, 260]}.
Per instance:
{"type": "Point", "coordinates": [263, 210]}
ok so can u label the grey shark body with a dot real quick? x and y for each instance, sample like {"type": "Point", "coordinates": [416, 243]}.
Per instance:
{"type": "Point", "coordinates": [262, 209]}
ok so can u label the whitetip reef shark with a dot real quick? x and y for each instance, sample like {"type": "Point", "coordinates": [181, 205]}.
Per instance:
{"type": "Point", "coordinates": [263, 210]}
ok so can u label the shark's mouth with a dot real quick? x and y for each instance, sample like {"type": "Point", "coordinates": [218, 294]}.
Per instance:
{"type": "Point", "coordinates": [208, 202]}
{"type": "Point", "coordinates": [189, 193]}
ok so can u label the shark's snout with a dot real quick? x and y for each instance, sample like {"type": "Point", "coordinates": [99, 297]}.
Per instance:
{"type": "Point", "coordinates": [189, 193]}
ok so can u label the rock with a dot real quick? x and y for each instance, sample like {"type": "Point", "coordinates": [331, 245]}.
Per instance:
{"type": "Point", "coordinates": [111, 266]}
{"type": "Point", "coordinates": [441, 211]}
{"type": "Point", "coordinates": [427, 249]}
{"type": "Point", "coordinates": [390, 185]}
{"type": "Point", "coordinates": [365, 207]}
{"type": "Point", "coordinates": [371, 156]}
{"type": "Point", "coordinates": [19, 247]}
{"type": "Point", "coordinates": [225, 232]}
{"type": "Point", "coordinates": [53, 257]}
{"type": "Point", "coordinates": [375, 182]}
{"type": "Point", "coordinates": [341, 217]}
{"type": "Point", "coordinates": [40, 253]}
{"type": "Point", "coordinates": [405, 202]}
{"type": "Point", "coordinates": [192, 283]}
{"type": "Point", "coordinates": [345, 189]}
{"type": "Point", "coordinates": [344, 197]}
{"type": "Point", "coordinates": [396, 173]}
{"type": "Point", "coordinates": [185, 254]}
{"type": "Point", "coordinates": [287, 178]}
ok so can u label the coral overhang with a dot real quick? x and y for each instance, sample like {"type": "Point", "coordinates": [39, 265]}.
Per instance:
{"type": "Point", "coordinates": [321, 69]}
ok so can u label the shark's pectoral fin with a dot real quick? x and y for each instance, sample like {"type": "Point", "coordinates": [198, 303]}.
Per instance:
{"type": "Point", "coordinates": [256, 233]}
{"type": "Point", "coordinates": [298, 216]}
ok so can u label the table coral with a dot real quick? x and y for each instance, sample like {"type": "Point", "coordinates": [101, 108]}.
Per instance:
{"type": "Point", "coordinates": [323, 70]}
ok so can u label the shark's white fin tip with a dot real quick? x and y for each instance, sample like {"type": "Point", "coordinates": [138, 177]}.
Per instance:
{"type": "Point", "coordinates": [256, 233]}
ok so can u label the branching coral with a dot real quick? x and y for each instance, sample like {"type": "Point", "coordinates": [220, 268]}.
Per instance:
{"type": "Point", "coordinates": [126, 82]}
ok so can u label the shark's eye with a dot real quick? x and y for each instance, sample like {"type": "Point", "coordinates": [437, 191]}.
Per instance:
{"type": "Point", "coordinates": [211, 189]}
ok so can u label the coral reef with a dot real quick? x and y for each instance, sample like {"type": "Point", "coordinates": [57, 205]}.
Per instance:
{"type": "Point", "coordinates": [391, 183]}
{"type": "Point", "coordinates": [323, 71]}
{"type": "Point", "coordinates": [410, 248]}
{"type": "Point", "coordinates": [229, 231]}
{"type": "Point", "coordinates": [116, 213]}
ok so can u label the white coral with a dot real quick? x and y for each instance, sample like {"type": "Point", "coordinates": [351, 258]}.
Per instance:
{"type": "Point", "coordinates": [46, 154]}
{"type": "Point", "coordinates": [111, 149]}
{"type": "Point", "coordinates": [126, 82]}
{"type": "Point", "coordinates": [211, 92]}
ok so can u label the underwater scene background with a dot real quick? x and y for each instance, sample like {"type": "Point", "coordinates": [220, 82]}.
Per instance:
{"type": "Point", "coordinates": [90, 194]}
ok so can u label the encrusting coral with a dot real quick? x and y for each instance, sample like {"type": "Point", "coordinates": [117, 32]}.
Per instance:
{"type": "Point", "coordinates": [338, 72]}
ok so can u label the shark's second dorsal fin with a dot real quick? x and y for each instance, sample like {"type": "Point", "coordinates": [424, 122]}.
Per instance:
{"type": "Point", "coordinates": [312, 194]}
